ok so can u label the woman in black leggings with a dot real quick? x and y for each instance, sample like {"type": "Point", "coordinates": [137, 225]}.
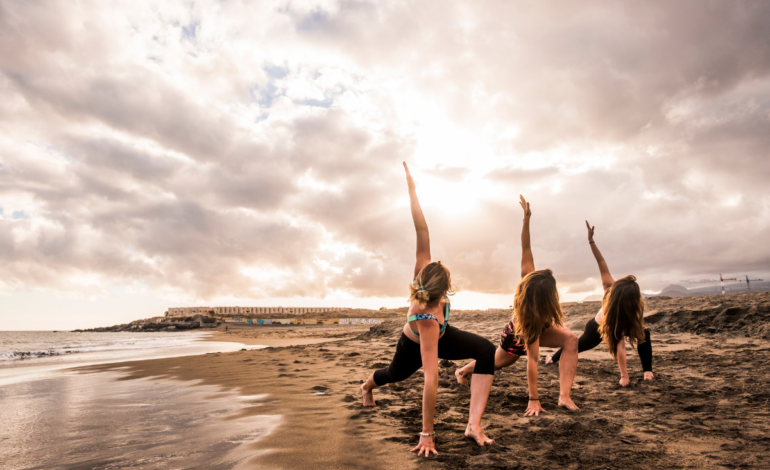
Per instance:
{"type": "Point", "coordinates": [427, 337]}
{"type": "Point", "coordinates": [621, 317]}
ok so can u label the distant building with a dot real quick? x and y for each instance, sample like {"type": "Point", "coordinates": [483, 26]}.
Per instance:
{"type": "Point", "coordinates": [360, 321]}
{"type": "Point", "coordinates": [189, 311]}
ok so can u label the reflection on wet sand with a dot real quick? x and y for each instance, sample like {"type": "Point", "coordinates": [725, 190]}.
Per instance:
{"type": "Point", "coordinates": [98, 421]}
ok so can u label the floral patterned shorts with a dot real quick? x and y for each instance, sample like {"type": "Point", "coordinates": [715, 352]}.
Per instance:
{"type": "Point", "coordinates": [510, 343]}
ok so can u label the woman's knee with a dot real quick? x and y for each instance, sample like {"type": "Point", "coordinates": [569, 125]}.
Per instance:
{"type": "Point", "coordinates": [488, 351]}
{"type": "Point", "coordinates": [485, 358]}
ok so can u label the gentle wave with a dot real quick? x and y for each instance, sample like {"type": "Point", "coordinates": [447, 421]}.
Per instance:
{"type": "Point", "coordinates": [15, 355]}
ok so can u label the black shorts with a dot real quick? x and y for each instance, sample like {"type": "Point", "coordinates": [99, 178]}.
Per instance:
{"type": "Point", "coordinates": [454, 345]}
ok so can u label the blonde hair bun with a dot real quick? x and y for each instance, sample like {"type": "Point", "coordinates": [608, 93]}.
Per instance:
{"type": "Point", "coordinates": [431, 283]}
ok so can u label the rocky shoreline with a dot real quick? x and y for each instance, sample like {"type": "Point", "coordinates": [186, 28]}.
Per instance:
{"type": "Point", "coordinates": [167, 324]}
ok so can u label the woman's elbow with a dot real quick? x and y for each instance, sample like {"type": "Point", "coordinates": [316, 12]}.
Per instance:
{"type": "Point", "coordinates": [571, 342]}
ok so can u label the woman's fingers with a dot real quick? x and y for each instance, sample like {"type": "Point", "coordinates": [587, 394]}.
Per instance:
{"type": "Point", "coordinates": [409, 180]}
{"type": "Point", "coordinates": [424, 448]}
{"type": "Point", "coordinates": [524, 204]}
{"type": "Point", "coordinates": [534, 411]}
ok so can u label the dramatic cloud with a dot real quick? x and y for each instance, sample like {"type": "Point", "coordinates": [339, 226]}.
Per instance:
{"type": "Point", "coordinates": [218, 149]}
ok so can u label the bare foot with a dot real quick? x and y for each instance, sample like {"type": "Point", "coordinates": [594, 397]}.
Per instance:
{"type": "Point", "coordinates": [649, 376]}
{"type": "Point", "coordinates": [368, 396]}
{"type": "Point", "coordinates": [568, 403]}
{"type": "Point", "coordinates": [548, 360]}
{"type": "Point", "coordinates": [477, 434]}
{"type": "Point", "coordinates": [461, 379]}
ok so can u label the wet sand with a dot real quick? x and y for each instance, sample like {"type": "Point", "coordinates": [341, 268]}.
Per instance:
{"type": "Point", "coordinates": [305, 384]}
{"type": "Point", "coordinates": [71, 421]}
{"type": "Point", "coordinates": [709, 406]}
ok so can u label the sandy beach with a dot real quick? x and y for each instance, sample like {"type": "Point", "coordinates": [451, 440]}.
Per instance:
{"type": "Point", "coordinates": [707, 408]}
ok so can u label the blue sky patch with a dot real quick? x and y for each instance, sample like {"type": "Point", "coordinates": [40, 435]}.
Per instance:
{"type": "Point", "coordinates": [315, 21]}
{"type": "Point", "coordinates": [189, 31]}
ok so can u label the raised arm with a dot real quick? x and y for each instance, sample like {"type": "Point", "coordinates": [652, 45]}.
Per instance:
{"type": "Point", "coordinates": [527, 260]}
{"type": "Point", "coordinates": [604, 270]}
{"type": "Point", "coordinates": [420, 225]}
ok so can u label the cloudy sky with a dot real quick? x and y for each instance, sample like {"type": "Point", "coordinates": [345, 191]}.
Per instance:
{"type": "Point", "coordinates": [157, 154]}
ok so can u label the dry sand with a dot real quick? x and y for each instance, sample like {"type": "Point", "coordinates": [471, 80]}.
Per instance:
{"type": "Point", "coordinates": [709, 406]}
{"type": "Point", "coordinates": [285, 335]}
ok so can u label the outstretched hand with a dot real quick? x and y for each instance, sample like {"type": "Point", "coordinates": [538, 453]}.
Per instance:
{"type": "Point", "coordinates": [590, 232]}
{"type": "Point", "coordinates": [426, 445]}
{"type": "Point", "coordinates": [525, 206]}
{"type": "Point", "coordinates": [409, 180]}
{"type": "Point", "coordinates": [534, 409]}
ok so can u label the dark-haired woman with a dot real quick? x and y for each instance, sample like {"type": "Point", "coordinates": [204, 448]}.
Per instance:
{"type": "Point", "coordinates": [621, 317]}
{"type": "Point", "coordinates": [427, 336]}
{"type": "Point", "coordinates": [537, 321]}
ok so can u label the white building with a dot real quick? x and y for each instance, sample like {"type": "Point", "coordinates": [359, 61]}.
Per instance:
{"type": "Point", "coordinates": [250, 311]}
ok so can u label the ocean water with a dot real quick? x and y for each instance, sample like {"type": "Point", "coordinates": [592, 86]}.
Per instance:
{"type": "Point", "coordinates": [55, 417]}
{"type": "Point", "coordinates": [28, 355]}
{"type": "Point", "coordinates": [19, 345]}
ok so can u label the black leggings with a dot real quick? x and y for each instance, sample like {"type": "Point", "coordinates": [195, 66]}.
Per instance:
{"type": "Point", "coordinates": [591, 339]}
{"type": "Point", "coordinates": [454, 345]}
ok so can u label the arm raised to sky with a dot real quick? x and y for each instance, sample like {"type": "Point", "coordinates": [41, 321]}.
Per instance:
{"type": "Point", "coordinates": [604, 270]}
{"type": "Point", "coordinates": [527, 260]}
{"type": "Point", "coordinates": [420, 225]}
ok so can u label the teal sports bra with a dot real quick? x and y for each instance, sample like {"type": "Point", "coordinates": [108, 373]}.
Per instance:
{"type": "Point", "coordinates": [428, 316]}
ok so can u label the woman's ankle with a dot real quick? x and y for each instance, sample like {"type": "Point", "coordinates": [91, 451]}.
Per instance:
{"type": "Point", "coordinates": [473, 426]}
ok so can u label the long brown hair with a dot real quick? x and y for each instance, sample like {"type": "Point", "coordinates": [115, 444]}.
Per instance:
{"type": "Point", "coordinates": [431, 283]}
{"type": "Point", "coordinates": [623, 314]}
{"type": "Point", "coordinates": [536, 305]}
